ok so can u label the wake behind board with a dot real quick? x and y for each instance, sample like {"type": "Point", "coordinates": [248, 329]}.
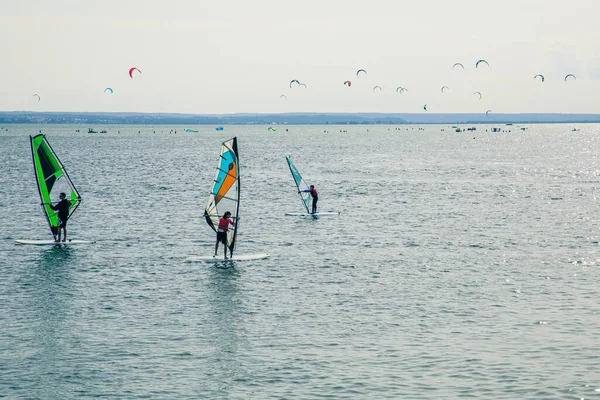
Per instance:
{"type": "Point", "coordinates": [52, 242]}
{"type": "Point", "coordinates": [318, 214]}
{"type": "Point", "coordinates": [219, 258]}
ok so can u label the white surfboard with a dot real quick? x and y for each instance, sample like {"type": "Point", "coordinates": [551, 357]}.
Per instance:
{"type": "Point", "coordinates": [318, 214]}
{"type": "Point", "coordinates": [219, 258]}
{"type": "Point", "coordinates": [52, 242]}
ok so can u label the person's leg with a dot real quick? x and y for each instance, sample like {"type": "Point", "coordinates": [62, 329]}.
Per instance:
{"type": "Point", "coordinates": [225, 251]}
{"type": "Point", "coordinates": [314, 205]}
{"type": "Point", "coordinates": [65, 233]}
{"type": "Point", "coordinates": [216, 245]}
{"type": "Point", "coordinates": [59, 232]}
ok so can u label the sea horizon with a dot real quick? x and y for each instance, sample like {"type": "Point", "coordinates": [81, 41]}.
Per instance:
{"type": "Point", "coordinates": [298, 118]}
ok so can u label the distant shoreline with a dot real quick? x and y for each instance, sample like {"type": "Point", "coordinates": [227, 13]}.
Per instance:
{"type": "Point", "coordinates": [112, 118]}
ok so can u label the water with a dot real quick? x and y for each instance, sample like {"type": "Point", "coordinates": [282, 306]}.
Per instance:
{"type": "Point", "coordinates": [463, 266]}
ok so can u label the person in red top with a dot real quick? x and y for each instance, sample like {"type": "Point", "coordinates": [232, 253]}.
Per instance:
{"type": "Point", "coordinates": [315, 197]}
{"type": "Point", "coordinates": [222, 229]}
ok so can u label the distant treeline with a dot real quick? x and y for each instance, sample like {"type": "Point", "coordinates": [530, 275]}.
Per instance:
{"type": "Point", "coordinates": [84, 118]}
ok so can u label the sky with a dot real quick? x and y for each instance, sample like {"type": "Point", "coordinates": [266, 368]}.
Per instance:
{"type": "Point", "coordinates": [240, 56]}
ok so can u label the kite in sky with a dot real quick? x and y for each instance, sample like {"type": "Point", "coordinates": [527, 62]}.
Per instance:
{"type": "Point", "coordinates": [131, 71]}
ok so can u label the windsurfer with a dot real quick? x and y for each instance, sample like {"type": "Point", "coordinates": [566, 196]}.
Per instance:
{"type": "Point", "coordinates": [63, 214]}
{"type": "Point", "coordinates": [222, 229]}
{"type": "Point", "coordinates": [315, 197]}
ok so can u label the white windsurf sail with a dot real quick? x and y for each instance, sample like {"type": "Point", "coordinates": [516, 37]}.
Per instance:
{"type": "Point", "coordinates": [300, 184]}
{"type": "Point", "coordinates": [225, 194]}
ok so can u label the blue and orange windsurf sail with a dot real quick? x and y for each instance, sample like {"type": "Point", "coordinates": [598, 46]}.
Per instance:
{"type": "Point", "coordinates": [225, 193]}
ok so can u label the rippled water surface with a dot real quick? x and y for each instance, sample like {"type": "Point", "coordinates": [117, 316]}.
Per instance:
{"type": "Point", "coordinates": [463, 265]}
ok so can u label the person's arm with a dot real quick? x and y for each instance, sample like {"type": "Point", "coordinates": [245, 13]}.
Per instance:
{"type": "Point", "coordinates": [305, 191]}
{"type": "Point", "coordinates": [53, 207]}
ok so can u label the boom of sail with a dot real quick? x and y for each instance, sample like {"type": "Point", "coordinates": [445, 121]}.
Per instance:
{"type": "Point", "coordinates": [300, 184]}
{"type": "Point", "coordinates": [225, 194]}
{"type": "Point", "coordinates": [52, 179]}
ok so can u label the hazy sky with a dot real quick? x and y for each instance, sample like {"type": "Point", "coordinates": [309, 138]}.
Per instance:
{"type": "Point", "coordinates": [239, 56]}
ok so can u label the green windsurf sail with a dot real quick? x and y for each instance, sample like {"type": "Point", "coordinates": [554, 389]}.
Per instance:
{"type": "Point", "coordinates": [52, 179]}
{"type": "Point", "coordinates": [300, 184]}
{"type": "Point", "coordinates": [225, 194]}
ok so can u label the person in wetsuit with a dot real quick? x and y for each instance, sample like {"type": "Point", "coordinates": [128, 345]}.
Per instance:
{"type": "Point", "coordinates": [222, 229]}
{"type": "Point", "coordinates": [63, 214]}
{"type": "Point", "coordinates": [315, 197]}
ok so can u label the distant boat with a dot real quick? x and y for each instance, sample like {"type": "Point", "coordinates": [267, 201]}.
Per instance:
{"type": "Point", "coordinates": [92, 131]}
{"type": "Point", "coordinates": [103, 131]}
{"type": "Point", "coordinates": [190, 131]}
{"type": "Point", "coordinates": [219, 128]}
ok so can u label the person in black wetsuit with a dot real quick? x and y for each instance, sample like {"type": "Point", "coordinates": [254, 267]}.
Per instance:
{"type": "Point", "coordinates": [315, 197]}
{"type": "Point", "coordinates": [63, 214]}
